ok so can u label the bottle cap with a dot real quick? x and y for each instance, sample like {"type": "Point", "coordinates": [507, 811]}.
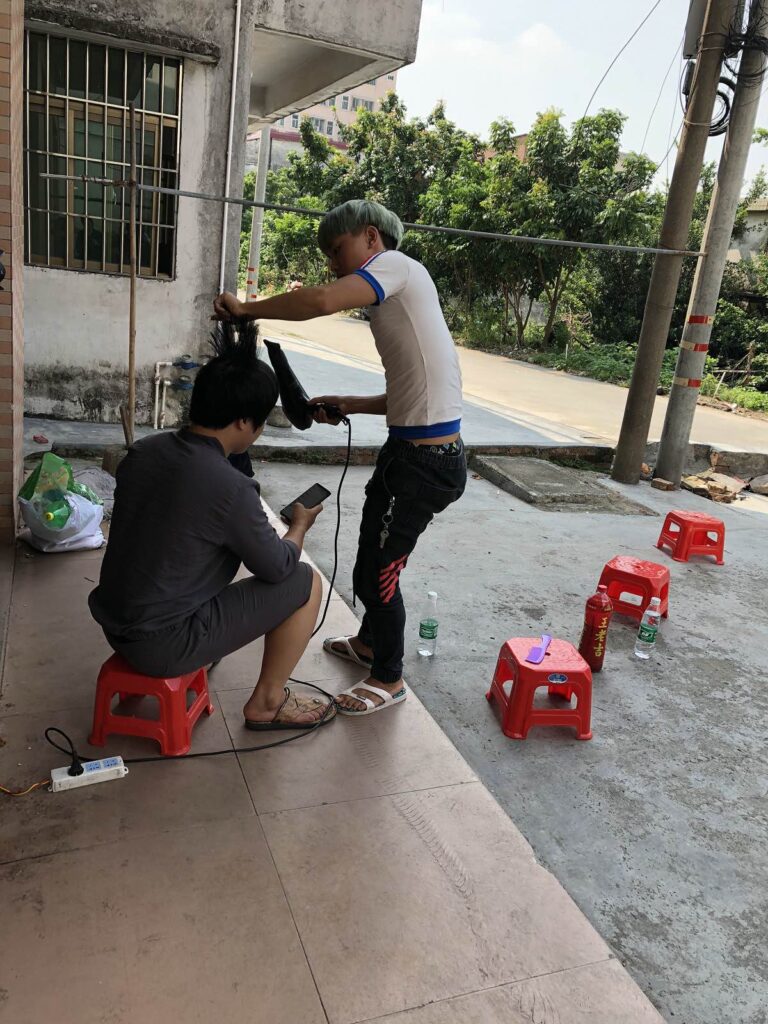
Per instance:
{"type": "Point", "coordinates": [431, 593]}
{"type": "Point", "coordinates": [602, 588]}
{"type": "Point", "coordinates": [655, 601]}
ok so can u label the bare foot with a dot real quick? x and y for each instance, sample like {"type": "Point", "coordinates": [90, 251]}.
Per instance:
{"type": "Point", "coordinates": [360, 649]}
{"type": "Point", "coordinates": [347, 701]}
{"type": "Point", "coordinates": [297, 709]}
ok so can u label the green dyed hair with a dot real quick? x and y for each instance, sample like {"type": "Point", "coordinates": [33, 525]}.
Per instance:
{"type": "Point", "coordinates": [354, 216]}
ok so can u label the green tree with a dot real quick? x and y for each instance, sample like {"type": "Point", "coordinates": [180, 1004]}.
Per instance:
{"type": "Point", "coordinates": [583, 189]}
{"type": "Point", "coordinates": [571, 183]}
{"type": "Point", "coordinates": [395, 159]}
{"type": "Point", "coordinates": [390, 158]}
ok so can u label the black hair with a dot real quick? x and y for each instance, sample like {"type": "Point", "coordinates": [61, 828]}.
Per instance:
{"type": "Point", "coordinates": [235, 384]}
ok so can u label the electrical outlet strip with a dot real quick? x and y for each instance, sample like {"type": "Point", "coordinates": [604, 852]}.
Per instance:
{"type": "Point", "coordinates": [93, 772]}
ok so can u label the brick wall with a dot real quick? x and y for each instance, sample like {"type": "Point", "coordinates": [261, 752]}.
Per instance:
{"type": "Point", "coordinates": [12, 242]}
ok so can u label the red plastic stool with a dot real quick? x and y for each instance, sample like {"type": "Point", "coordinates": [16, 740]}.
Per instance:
{"type": "Point", "coordinates": [563, 671]}
{"type": "Point", "coordinates": [692, 533]}
{"type": "Point", "coordinates": [173, 730]}
{"type": "Point", "coordinates": [632, 583]}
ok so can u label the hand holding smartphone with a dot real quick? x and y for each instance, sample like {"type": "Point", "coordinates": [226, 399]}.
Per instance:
{"type": "Point", "coordinates": [312, 497]}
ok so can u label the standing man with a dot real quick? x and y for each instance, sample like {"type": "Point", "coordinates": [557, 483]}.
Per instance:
{"type": "Point", "coordinates": [421, 468]}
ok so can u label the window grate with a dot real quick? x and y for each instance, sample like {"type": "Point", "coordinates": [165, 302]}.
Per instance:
{"type": "Point", "coordinates": [77, 121]}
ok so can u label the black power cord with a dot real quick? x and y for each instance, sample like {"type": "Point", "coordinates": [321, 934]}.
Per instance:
{"type": "Point", "coordinates": [76, 767]}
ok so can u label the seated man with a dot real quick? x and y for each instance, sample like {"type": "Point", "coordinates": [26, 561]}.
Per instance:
{"type": "Point", "coordinates": [184, 520]}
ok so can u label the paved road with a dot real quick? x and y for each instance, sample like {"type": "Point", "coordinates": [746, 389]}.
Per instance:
{"type": "Point", "coordinates": [586, 407]}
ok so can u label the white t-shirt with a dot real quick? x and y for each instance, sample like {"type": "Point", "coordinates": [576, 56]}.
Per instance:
{"type": "Point", "coordinates": [421, 367]}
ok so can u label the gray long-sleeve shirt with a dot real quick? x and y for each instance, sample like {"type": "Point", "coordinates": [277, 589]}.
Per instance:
{"type": "Point", "coordinates": [184, 520]}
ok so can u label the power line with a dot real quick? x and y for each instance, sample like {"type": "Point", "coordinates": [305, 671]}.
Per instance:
{"type": "Point", "coordinates": [658, 97]}
{"type": "Point", "coordinates": [626, 44]}
{"type": "Point", "coordinates": [671, 146]}
{"type": "Point", "coordinates": [495, 236]}
{"type": "Point", "coordinates": [672, 123]}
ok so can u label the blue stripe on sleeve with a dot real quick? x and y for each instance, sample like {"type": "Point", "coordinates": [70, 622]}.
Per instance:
{"type": "Point", "coordinates": [366, 276]}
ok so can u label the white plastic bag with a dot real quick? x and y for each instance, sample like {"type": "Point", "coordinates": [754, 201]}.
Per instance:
{"type": "Point", "coordinates": [81, 531]}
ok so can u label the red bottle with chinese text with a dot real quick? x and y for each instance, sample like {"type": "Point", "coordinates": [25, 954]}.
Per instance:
{"type": "Point", "coordinates": [597, 615]}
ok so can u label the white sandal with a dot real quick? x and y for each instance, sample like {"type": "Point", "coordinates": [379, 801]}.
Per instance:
{"type": "Point", "coordinates": [348, 654]}
{"type": "Point", "coordinates": [370, 708]}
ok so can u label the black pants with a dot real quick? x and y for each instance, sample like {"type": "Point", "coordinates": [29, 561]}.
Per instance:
{"type": "Point", "coordinates": [410, 485]}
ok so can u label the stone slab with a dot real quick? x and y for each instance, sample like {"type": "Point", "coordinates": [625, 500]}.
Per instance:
{"type": "Point", "coordinates": [551, 486]}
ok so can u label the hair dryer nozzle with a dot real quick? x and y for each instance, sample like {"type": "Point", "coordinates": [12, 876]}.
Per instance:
{"type": "Point", "coordinates": [292, 395]}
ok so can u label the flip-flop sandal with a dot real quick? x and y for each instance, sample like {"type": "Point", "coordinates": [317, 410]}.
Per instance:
{"type": "Point", "coordinates": [348, 654]}
{"type": "Point", "coordinates": [388, 699]}
{"type": "Point", "coordinates": [297, 706]}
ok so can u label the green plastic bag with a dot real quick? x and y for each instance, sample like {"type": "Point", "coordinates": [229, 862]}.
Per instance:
{"type": "Point", "coordinates": [53, 474]}
{"type": "Point", "coordinates": [52, 479]}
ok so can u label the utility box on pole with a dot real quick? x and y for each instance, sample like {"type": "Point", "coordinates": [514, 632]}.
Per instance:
{"type": "Point", "coordinates": [693, 28]}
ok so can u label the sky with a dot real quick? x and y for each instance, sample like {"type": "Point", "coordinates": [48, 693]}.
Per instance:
{"type": "Point", "coordinates": [492, 58]}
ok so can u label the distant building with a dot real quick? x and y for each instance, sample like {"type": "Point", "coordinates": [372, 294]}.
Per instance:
{"type": "Point", "coordinates": [326, 117]}
{"type": "Point", "coordinates": [755, 238]}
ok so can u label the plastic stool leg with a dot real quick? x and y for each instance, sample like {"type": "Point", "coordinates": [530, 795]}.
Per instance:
{"type": "Point", "coordinates": [176, 735]}
{"type": "Point", "coordinates": [101, 708]}
{"type": "Point", "coordinates": [200, 686]}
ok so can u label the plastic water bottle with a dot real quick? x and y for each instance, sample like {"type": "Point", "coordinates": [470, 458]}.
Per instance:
{"type": "Point", "coordinates": [649, 628]}
{"type": "Point", "coordinates": [428, 626]}
{"type": "Point", "coordinates": [53, 509]}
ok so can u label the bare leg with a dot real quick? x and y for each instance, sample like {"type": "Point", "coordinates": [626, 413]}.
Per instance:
{"type": "Point", "coordinates": [283, 647]}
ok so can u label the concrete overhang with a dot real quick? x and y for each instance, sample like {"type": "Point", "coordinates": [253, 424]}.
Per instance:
{"type": "Point", "coordinates": [299, 58]}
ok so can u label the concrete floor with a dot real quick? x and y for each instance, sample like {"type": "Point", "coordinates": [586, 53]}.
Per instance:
{"type": "Point", "coordinates": [361, 874]}
{"type": "Point", "coordinates": [657, 826]}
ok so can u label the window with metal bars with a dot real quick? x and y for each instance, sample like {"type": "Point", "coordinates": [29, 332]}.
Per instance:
{"type": "Point", "coordinates": [77, 122]}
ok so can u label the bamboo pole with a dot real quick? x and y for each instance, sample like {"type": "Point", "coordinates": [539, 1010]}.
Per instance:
{"type": "Point", "coordinates": [132, 293]}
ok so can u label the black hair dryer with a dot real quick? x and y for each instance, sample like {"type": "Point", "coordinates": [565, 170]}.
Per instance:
{"type": "Point", "coordinates": [293, 397]}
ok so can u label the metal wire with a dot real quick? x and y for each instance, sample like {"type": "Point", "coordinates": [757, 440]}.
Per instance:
{"type": "Point", "coordinates": [429, 228]}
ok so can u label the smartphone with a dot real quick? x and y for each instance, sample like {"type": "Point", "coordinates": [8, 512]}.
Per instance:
{"type": "Point", "coordinates": [316, 495]}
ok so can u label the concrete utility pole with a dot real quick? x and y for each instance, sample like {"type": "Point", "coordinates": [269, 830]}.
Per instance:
{"type": "Point", "coordinates": [674, 234]}
{"type": "Point", "coordinates": [257, 223]}
{"type": "Point", "coordinates": [709, 273]}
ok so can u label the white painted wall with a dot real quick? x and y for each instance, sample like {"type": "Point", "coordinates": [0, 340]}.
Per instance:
{"type": "Point", "coordinates": [80, 320]}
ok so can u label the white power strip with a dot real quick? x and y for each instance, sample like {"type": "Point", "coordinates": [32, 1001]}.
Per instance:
{"type": "Point", "coordinates": [93, 772]}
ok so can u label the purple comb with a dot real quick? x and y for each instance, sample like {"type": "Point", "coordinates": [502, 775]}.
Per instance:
{"type": "Point", "coordinates": [537, 652]}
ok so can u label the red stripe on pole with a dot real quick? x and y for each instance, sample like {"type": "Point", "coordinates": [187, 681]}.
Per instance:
{"type": "Point", "coordinates": [698, 318]}
{"type": "Point", "coordinates": [701, 348]}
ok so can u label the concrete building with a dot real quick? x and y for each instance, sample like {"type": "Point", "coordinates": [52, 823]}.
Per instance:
{"type": "Point", "coordinates": [341, 109]}
{"type": "Point", "coordinates": [755, 237]}
{"type": "Point", "coordinates": [202, 76]}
